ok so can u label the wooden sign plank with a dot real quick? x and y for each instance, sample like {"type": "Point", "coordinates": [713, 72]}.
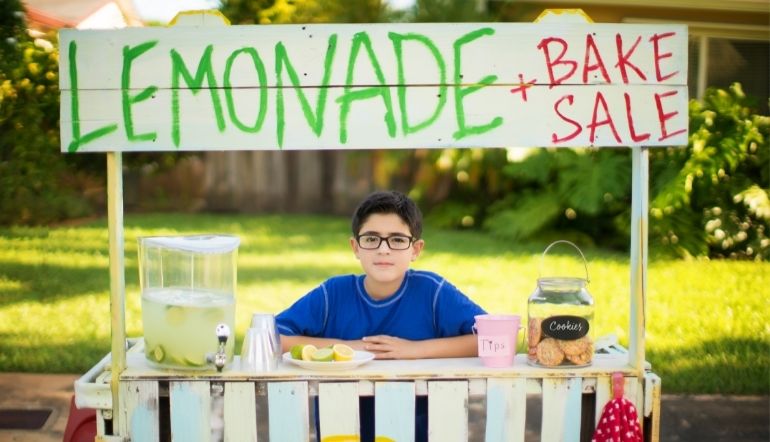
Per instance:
{"type": "Point", "coordinates": [493, 117]}
{"type": "Point", "coordinates": [373, 86]}
{"type": "Point", "coordinates": [370, 54]}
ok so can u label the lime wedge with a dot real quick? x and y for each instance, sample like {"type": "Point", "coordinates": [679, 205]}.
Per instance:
{"type": "Point", "coordinates": [296, 351]}
{"type": "Point", "coordinates": [157, 354]}
{"type": "Point", "coordinates": [325, 354]}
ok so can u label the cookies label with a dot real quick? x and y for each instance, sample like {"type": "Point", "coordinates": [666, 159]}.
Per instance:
{"type": "Point", "coordinates": [565, 327]}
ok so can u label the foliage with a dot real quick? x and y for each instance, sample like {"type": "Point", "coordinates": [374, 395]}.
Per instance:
{"type": "Point", "coordinates": [11, 29]}
{"type": "Point", "coordinates": [283, 257]}
{"type": "Point", "coordinates": [713, 198]}
{"type": "Point", "coordinates": [448, 11]}
{"type": "Point", "coordinates": [31, 166]}
{"type": "Point", "coordinates": [708, 199]}
{"type": "Point", "coordinates": [306, 11]}
{"type": "Point", "coordinates": [565, 190]}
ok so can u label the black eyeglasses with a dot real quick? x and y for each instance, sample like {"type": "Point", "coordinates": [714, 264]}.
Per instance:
{"type": "Point", "coordinates": [395, 242]}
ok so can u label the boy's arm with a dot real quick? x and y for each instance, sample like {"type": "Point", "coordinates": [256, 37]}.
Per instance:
{"type": "Point", "coordinates": [289, 341]}
{"type": "Point", "coordinates": [390, 347]}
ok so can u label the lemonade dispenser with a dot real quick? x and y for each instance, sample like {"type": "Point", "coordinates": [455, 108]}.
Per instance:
{"type": "Point", "coordinates": [188, 300]}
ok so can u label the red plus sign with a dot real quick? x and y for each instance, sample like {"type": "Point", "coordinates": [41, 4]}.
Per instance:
{"type": "Point", "coordinates": [522, 87]}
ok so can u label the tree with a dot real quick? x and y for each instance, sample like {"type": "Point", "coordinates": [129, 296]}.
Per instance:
{"type": "Point", "coordinates": [306, 11]}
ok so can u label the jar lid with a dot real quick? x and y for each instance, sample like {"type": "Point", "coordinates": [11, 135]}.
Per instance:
{"type": "Point", "coordinates": [194, 243]}
{"type": "Point", "coordinates": [561, 281]}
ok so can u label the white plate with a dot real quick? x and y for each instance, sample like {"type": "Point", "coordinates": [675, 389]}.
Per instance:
{"type": "Point", "coordinates": [359, 358]}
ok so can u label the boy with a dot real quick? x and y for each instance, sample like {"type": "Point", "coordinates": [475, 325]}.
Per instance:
{"type": "Point", "coordinates": [390, 310]}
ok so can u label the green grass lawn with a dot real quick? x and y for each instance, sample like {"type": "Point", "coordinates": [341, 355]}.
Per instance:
{"type": "Point", "coordinates": [707, 321]}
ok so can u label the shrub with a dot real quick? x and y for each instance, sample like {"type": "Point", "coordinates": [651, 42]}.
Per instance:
{"type": "Point", "coordinates": [712, 198]}
{"type": "Point", "coordinates": [31, 165]}
{"type": "Point", "coordinates": [707, 199]}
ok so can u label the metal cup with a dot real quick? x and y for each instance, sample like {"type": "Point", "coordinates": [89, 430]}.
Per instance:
{"type": "Point", "coordinates": [262, 344]}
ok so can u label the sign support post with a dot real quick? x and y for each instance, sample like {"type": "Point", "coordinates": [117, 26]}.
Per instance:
{"type": "Point", "coordinates": [117, 275]}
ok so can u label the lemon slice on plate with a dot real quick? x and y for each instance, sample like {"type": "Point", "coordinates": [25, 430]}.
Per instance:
{"type": "Point", "coordinates": [343, 352]}
{"type": "Point", "coordinates": [308, 351]}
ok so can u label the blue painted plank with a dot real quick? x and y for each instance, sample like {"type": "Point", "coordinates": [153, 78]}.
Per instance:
{"type": "Point", "coordinates": [573, 410]}
{"type": "Point", "coordinates": [394, 405]}
{"type": "Point", "coordinates": [288, 411]}
{"type": "Point", "coordinates": [190, 411]}
{"type": "Point", "coordinates": [506, 410]}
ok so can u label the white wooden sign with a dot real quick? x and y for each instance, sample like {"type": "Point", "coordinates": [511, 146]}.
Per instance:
{"type": "Point", "coordinates": [373, 86]}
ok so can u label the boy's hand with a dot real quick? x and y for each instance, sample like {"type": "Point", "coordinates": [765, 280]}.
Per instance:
{"type": "Point", "coordinates": [390, 347]}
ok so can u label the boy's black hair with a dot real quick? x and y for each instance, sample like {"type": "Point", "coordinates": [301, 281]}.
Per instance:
{"type": "Point", "coordinates": [389, 202]}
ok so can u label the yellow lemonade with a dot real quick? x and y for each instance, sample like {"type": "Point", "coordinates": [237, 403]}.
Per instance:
{"type": "Point", "coordinates": [179, 326]}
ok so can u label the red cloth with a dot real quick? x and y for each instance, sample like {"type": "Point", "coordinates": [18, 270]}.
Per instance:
{"type": "Point", "coordinates": [619, 423]}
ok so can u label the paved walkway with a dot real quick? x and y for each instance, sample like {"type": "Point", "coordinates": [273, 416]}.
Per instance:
{"type": "Point", "coordinates": [705, 418]}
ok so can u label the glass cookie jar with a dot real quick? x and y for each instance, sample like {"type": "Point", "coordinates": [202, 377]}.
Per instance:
{"type": "Point", "coordinates": [561, 314]}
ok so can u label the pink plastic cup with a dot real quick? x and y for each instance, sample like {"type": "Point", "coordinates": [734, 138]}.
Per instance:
{"type": "Point", "coordinates": [498, 335]}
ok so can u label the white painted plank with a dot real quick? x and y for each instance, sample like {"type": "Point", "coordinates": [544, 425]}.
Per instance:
{"type": "Point", "coordinates": [240, 412]}
{"type": "Point", "coordinates": [640, 190]}
{"type": "Point", "coordinates": [634, 392]}
{"type": "Point", "coordinates": [288, 411]}
{"type": "Point", "coordinates": [561, 410]}
{"type": "Point", "coordinates": [421, 370]}
{"type": "Point", "coordinates": [394, 410]}
{"type": "Point", "coordinates": [190, 411]}
{"type": "Point", "coordinates": [448, 411]}
{"type": "Point", "coordinates": [652, 390]}
{"type": "Point", "coordinates": [338, 409]}
{"type": "Point", "coordinates": [559, 117]}
{"type": "Point", "coordinates": [603, 395]}
{"type": "Point", "coordinates": [506, 410]}
{"type": "Point", "coordinates": [139, 409]}
{"type": "Point", "coordinates": [502, 49]}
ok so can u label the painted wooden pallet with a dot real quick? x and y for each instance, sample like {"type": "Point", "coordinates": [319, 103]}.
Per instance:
{"type": "Point", "coordinates": [290, 409]}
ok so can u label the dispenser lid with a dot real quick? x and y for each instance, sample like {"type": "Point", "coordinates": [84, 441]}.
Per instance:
{"type": "Point", "coordinates": [194, 243]}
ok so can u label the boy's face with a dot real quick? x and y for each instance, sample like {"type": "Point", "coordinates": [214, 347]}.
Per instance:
{"type": "Point", "coordinates": [384, 265]}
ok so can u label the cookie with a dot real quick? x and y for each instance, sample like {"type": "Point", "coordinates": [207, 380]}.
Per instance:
{"type": "Point", "coordinates": [532, 353]}
{"type": "Point", "coordinates": [582, 358]}
{"type": "Point", "coordinates": [549, 353]}
{"type": "Point", "coordinates": [576, 346]}
{"type": "Point", "coordinates": [534, 332]}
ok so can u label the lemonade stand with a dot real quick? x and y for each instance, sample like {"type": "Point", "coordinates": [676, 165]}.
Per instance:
{"type": "Point", "coordinates": [203, 85]}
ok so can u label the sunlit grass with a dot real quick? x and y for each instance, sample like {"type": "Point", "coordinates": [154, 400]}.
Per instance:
{"type": "Point", "coordinates": [707, 328]}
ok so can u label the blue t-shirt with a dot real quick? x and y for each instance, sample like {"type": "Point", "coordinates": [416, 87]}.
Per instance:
{"type": "Point", "coordinates": [426, 306]}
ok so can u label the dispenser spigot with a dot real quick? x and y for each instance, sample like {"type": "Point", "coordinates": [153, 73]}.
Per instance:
{"type": "Point", "coordinates": [220, 357]}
